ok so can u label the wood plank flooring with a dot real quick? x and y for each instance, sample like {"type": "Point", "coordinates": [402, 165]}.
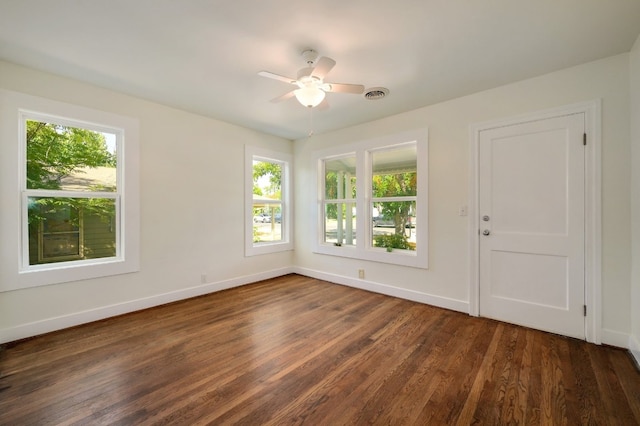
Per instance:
{"type": "Point", "coordinates": [295, 350]}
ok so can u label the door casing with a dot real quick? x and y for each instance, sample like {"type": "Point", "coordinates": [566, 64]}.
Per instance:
{"type": "Point", "coordinates": [593, 201]}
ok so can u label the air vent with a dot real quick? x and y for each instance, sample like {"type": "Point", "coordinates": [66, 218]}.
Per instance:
{"type": "Point", "coordinates": [376, 93]}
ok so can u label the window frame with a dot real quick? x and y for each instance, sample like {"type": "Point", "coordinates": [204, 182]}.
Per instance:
{"type": "Point", "coordinates": [363, 248]}
{"type": "Point", "coordinates": [252, 248]}
{"type": "Point", "coordinates": [15, 109]}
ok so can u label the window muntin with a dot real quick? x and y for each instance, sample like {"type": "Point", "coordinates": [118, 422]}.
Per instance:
{"type": "Point", "coordinates": [389, 196]}
{"type": "Point", "coordinates": [71, 192]}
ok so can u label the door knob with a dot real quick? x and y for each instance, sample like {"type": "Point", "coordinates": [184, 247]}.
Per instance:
{"type": "Point", "coordinates": [486, 232]}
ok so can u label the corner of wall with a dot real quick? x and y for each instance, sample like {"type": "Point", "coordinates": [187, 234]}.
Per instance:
{"type": "Point", "coordinates": [634, 348]}
{"type": "Point", "coordinates": [634, 91]}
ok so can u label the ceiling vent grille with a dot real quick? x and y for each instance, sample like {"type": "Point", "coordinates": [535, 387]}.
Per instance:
{"type": "Point", "coordinates": [376, 93]}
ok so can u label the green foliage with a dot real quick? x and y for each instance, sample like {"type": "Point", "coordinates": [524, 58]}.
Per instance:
{"type": "Point", "coordinates": [55, 151]}
{"type": "Point", "coordinates": [393, 241]}
{"type": "Point", "coordinates": [273, 171]}
{"type": "Point", "coordinates": [331, 193]}
{"type": "Point", "coordinates": [105, 208]}
{"type": "Point", "coordinates": [42, 208]}
{"type": "Point", "coordinates": [331, 185]}
{"type": "Point", "coordinates": [341, 214]}
{"type": "Point", "coordinates": [256, 234]}
{"type": "Point", "coordinates": [395, 185]}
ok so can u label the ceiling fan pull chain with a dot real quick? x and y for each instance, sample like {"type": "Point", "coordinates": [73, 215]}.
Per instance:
{"type": "Point", "coordinates": [310, 122]}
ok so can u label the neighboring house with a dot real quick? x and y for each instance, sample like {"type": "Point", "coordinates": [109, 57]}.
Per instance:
{"type": "Point", "coordinates": [87, 177]}
{"type": "Point", "coordinates": [71, 232]}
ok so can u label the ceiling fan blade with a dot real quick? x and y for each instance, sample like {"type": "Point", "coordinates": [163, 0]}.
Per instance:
{"type": "Point", "coordinates": [277, 77]}
{"type": "Point", "coordinates": [344, 88]}
{"type": "Point", "coordinates": [323, 66]}
{"type": "Point", "coordinates": [283, 97]}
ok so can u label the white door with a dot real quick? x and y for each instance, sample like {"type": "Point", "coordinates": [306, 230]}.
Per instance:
{"type": "Point", "coordinates": [532, 224]}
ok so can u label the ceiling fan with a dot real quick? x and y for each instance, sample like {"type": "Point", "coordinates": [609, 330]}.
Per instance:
{"type": "Point", "coordinates": [310, 81]}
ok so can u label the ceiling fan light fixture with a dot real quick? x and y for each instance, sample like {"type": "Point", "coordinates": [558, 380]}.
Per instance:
{"type": "Point", "coordinates": [311, 88]}
{"type": "Point", "coordinates": [309, 96]}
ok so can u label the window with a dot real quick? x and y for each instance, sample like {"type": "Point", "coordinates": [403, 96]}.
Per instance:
{"type": "Point", "coordinates": [372, 200]}
{"type": "Point", "coordinates": [268, 213]}
{"type": "Point", "coordinates": [77, 200]}
{"type": "Point", "coordinates": [71, 191]}
{"type": "Point", "coordinates": [394, 181]}
{"type": "Point", "coordinates": [339, 200]}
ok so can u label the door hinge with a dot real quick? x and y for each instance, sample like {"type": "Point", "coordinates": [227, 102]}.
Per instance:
{"type": "Point", "coordinates": [584, 310]}
{"type": "Point", "coordinates": [584, 139]}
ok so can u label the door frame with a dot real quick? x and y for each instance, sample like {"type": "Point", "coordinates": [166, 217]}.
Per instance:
{"type": "Point", "coordinates": [593, 203]}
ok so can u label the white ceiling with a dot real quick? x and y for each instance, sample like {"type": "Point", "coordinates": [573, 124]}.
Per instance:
{"type": "Point", "coordinates": [203, 55]}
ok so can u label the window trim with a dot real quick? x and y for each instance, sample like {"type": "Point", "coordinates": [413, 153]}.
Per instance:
{"type": "Point", "coordinates": [363, 249]}
{"type": "Point", "coordinates": [286, 243]}
{"type": "Point", "coordinates": [15, 108]}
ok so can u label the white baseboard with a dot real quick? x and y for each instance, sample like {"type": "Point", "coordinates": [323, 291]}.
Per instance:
{"type": "Point", "coordinates": [429, 299]}
{"type": "Point", "coordinates": [57, 323]}
{"type": "Point", "coordinates": [615, 338]}
{"type": "Point", "coordinates": [609, 337]}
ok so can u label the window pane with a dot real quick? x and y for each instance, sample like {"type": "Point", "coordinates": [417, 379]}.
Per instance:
{"type": "Point", "coordinates": [267, 180]}
{"type": "Point", "coordinates": [340, 223]}
{"type": "Point", "coordinates": [340, 178]}
{"type": "Point", "coordinates": [394, 225]}
{"type": "Point", "coordinates": [267, 191]}
{"type": "Point", "coordinates": [267, 223]}
{"type": "Point", "coordinates": [64, 229]}
{"type": "Point", "coordinates": [394, 172]}
{"type": "Point", "coordinates": [69, 158]}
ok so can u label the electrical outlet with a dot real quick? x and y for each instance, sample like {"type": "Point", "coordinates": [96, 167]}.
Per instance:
{"type": "Point", "coordinates": [203, 278]}
{"type": "Point", "coordinates": [462, 211]}
{"type": "Point", "coordinates": [361, 273]}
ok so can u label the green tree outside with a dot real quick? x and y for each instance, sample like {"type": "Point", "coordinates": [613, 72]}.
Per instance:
{"type": "Point", "coordinates": [395, 185]}
{"type": "Point", "coordinates": [55, 152]}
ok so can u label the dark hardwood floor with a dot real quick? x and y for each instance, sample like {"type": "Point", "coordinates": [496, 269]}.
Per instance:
{"type": "Point", "coordinates": [294, 350]}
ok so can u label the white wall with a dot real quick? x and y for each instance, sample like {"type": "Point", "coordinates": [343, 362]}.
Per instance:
{"type": "Point", "coordinates": [447, 282]}
{"type": "Point", "coordinates": [196, 160]}
{"type": "Point", "coordinates": [192, 219]}
{"type": "Point", "coordinates": [634, 343]}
